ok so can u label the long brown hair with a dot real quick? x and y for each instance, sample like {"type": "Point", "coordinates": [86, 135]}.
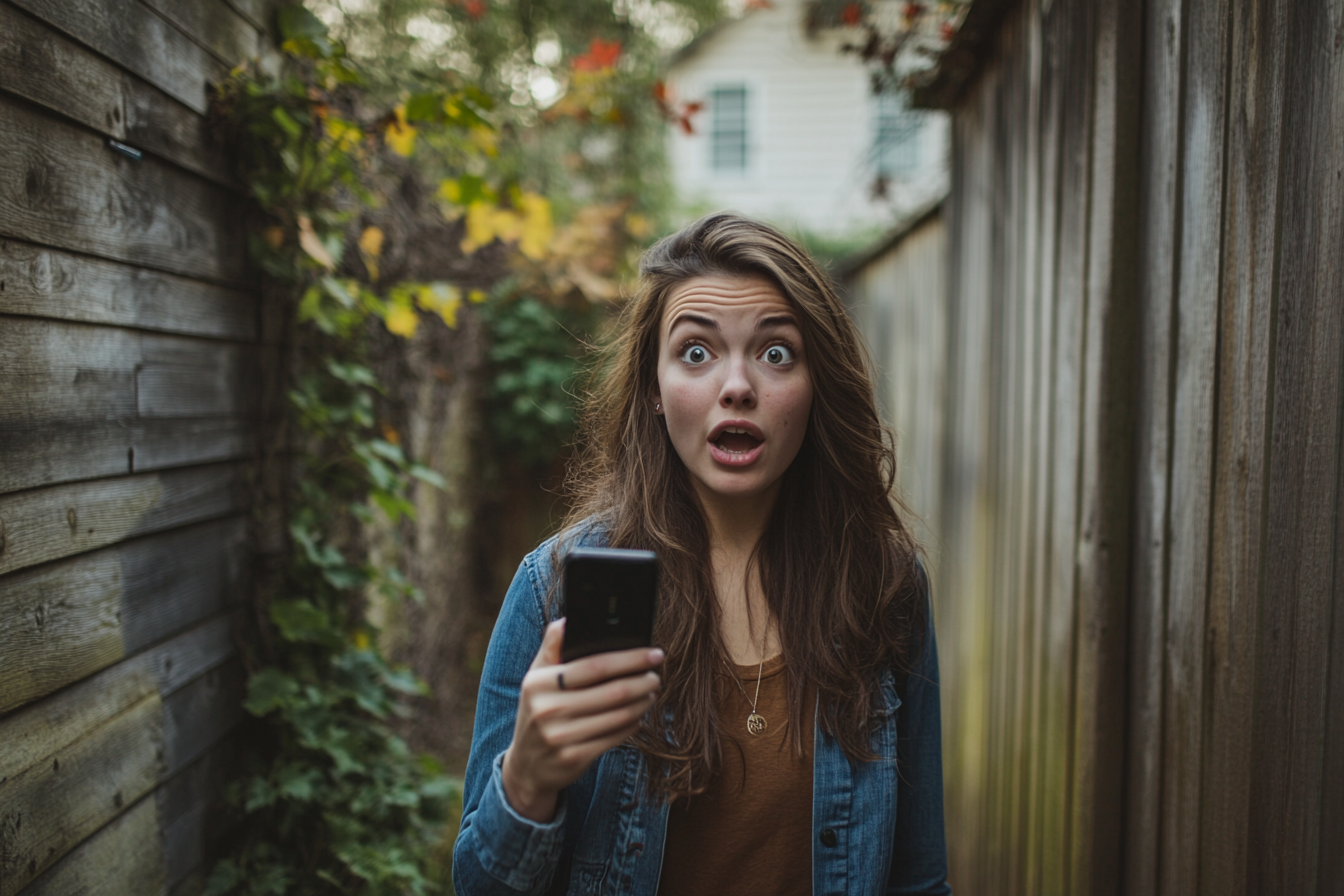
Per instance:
{"type": "Point", "coordinates": [836, 562]}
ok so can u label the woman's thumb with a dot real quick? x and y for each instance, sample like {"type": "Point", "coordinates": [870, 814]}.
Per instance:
{"type": "Point", "coordinates": [551, 642]}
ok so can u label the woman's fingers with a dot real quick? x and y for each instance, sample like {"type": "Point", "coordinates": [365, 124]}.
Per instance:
{"type": "Point", "coordinates": [602, 667]}
{"type": "Point", "coordinates": [599, 698]}
{"type": "Point", "coordinates": [565, 732]}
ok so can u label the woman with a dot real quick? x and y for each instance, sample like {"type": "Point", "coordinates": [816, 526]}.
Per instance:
{"type": "Point", "coordinates": [788, 741]}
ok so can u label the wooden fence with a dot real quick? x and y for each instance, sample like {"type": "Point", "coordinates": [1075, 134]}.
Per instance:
{"type": "Point", "coordinates": [133, 355]}
{"type": "Point", "coordinates": [1140, 468]}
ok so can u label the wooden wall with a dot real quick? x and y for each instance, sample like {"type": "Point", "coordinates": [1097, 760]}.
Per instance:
{"type": "Point", "coordinates": [1141, 471]}
{"type": "Point", "coordinates": [896, 296]}
{"type": "Point", "coordinates": [134, 360]}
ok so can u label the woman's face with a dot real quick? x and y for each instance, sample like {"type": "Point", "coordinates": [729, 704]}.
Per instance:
{"type": "Point", "coordinates": [733, 384]}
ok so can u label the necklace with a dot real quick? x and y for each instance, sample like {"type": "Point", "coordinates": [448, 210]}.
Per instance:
{"type": "Point", "coordinates": [755, 721]}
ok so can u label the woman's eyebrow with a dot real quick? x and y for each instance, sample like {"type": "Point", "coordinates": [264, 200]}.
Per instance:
{"type": "Point", "coordinates": [689, 318]}
{"type": "Point", "coordinates": [776, 320]}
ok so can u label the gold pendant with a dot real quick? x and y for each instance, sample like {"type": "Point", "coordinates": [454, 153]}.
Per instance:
{"type": "Point", "coordinates": [755, 723]}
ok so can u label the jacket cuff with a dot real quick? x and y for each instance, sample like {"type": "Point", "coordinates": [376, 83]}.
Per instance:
{"type": "Point", "coordinates": [515, 850]}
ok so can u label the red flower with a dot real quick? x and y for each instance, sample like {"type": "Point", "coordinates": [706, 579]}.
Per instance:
{"type": "Point", "coordinates": [852, 14]}
{"type": "Point", "coordinates": [474, 8]}
{"type": "Point", "coordinates": [601, 55]}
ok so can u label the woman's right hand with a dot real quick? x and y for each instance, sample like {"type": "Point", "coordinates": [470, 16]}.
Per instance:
{"type": "Point", "coordinates": [559, 733]}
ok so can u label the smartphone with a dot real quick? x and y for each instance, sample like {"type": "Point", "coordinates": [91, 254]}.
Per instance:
{"type": "Point", "coordinates": [610, 596]}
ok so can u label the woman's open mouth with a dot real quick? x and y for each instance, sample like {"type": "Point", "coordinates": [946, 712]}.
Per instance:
{"type": "Point", "coordinates": [736, 442]}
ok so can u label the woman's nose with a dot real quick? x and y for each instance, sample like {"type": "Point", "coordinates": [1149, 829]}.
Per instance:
{"type": "Point", "coordinates": [737, 390]}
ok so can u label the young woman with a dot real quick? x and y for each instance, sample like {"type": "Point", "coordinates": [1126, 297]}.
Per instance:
{"type": "Point", "coordinates": [784, 736]}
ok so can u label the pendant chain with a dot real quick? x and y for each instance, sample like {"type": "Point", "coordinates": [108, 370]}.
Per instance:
{"type": "Point", "coordinates": [755, 721]}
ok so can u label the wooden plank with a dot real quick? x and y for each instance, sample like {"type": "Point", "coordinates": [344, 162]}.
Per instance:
{"type": "Point", "coordinates": [34, 734]}
{"type": "Point", "coordinates": [59, 371]}
{"type": "Point", "coordinates": [124, 857]}
{"type": "Point", "coordinates": [42, 65]}
{"type": "Point", "coordinates": [40, 282]}
{"type": "Point", "coordinates": [1047, 30]}
{"type": "Point", "coordinates": [1160, 161]}
{"type": "Point", "coordinates": [191, 810]}
{"type": "Point", "coordinates": [1250, 231]}
{"type": "Point", "coordinates": [139, 40]}
{"type": "Point", "coordinates": [1330, 874]}
{"type": "Point", "coordinates": [50, 808]}
{"type": "Point", "coordinates": [1068, 360]}
{"type": "Point", "coordinates": [1307, 406]}
{"type": "Point", "coordinates": [1204, 132]}
{"type": "Point", "coordinates": [62, 186]}
{"type": "Point", "coordinates": [215, 25]}
{"type": "Point", "coordinates": [65, 621]}
{"type": "Point", "coordinates": [49, 524]}
{"type": "Point", "coordinates": [258, 12]}
{"type": "Point", "coordinates": [55, 451]}
{"type": "Point", "coordinates": [1102, 551]}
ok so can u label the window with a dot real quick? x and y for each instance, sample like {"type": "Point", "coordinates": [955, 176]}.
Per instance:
{"type": "Point", "coordinates": [896, 134]}
{"type": "Point", "coordinates": [728, 129]}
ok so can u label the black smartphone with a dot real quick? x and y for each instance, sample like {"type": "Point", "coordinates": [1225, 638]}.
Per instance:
{"type": "Point", "coordinates": [610, 596]}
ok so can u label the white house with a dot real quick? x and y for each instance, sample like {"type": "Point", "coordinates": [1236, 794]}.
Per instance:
{"type": "Point", "coordinates": [791, 131]}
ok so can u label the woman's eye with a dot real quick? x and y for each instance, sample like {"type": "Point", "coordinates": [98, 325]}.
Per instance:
{"type": "Point", "coordinates": [778, 354]}
{"type": "Point", "coordinates": [694, 354]}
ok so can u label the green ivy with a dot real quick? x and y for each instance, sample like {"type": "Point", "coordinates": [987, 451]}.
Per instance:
{"type": "Point", "coordinates": [534, 356]}
{"type": "Point", "coordinates": [333, 801]}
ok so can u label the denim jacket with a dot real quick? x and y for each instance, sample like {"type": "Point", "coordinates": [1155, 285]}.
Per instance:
{"type": "Point", "coordinates": [878, 824]}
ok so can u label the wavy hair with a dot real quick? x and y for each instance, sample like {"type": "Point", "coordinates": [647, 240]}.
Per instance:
{"type": "Point", "coordinates": [836, 563]}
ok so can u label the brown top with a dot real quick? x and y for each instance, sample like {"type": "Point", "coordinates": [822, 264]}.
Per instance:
{"type": "Point", "coordinates": [751, 831]}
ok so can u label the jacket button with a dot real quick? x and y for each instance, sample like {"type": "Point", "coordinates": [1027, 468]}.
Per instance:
{"type": "Point", "coordinates": [828, 837]}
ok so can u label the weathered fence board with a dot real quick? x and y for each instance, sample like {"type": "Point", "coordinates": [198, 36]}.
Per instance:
{"type": "Point", "coordinates": [41, 282]}
{"type": "Point", "coordinates": [55, 452]}
{"type": "Point", "coordinates": [49, 524]}
{"type": "Point", "coordinates": [139, 40]}
{"type": "Point", "coordinates": [215, 25]}
{"type": "Point", "coordinates": [67, 620]}
{"type": "Point", "coordinates": [124, 857]}
{"type": "Point", "coordinates": [42, 65]}
{"type": "Point", "coordinates": [37, 732]}
{"type": "Point", "coordinates": [62, 186]}
{"type": "Point", "coordinates": [1139, 602]}
{"type": "Point", "coordinates": [71, 372]}
{"type": "Point", "coordinates": [90, 783]}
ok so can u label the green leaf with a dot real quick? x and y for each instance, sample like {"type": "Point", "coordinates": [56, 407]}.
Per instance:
{"type": "Point", "coordinates": [424, 107]}
{"type": "Point", "coordinates": [430, 476]}
{"type": "Point", "coordinates": [268, 690]}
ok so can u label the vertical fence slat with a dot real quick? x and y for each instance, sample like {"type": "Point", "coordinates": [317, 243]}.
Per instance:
{"type": "Point", "coordinates": [1292, 664]}
{"type": "Point", "coordinates": [1235, 584]}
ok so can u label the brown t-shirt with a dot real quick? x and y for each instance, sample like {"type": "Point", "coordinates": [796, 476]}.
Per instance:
{"type": "Point", "coordinates": [751, 831]}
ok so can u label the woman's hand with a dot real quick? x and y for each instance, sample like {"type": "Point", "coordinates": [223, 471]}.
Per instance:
{"type": "Point", "coordinates": [558, 732]}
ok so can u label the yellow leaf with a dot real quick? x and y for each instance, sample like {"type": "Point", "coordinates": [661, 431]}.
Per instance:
{"type": "Point", "coordinates": [310, 243]}
{"type": "Point", "coordinates": [400, 134]}
{"type": "Point", "coordinates": [401, 320]}
{"type": "Point", "coordinates": [485, 139]}
{"type": "Point", "coordinates": [371, 241]}
{"type": "Point", "coordinates": [480, 226]}
{"type": "Point", "coordinates": [508, 224]}
{"type": "Point", "coordinates": [361, 640]}
{"type": "Point", "coordinates": [442, 298]}
{"type": "Point", "coordinates": [537, 227]}
{"type": "Point", "coordinates": [450, 190]}
{"type": "Point", "coordinates": [345, 134]}
{"type": "Point", "coordinates": [476, 296]}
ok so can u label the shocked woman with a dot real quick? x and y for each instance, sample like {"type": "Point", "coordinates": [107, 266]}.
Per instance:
{"type": "Point", "coordinates": [784, 735]}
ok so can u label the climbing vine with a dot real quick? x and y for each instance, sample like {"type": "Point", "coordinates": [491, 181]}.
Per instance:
{"type": "Point", "coordinates": [333, 801]}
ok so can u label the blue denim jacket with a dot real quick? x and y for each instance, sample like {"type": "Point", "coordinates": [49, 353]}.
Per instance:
{"type": "Point", "coordinates": [879, 824]}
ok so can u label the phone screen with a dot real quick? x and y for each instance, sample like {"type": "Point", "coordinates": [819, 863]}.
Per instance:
{"type": "Point", "coordinates": [610, 595]}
